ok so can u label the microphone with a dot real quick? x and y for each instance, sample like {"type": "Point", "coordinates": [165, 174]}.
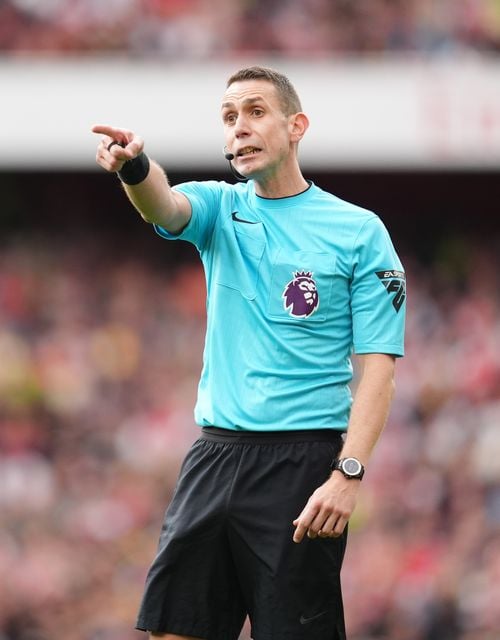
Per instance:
{"type": "Point", "coordinates": [230, 156]}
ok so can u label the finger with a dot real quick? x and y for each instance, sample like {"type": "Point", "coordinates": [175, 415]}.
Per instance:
{"type": "Point", "coordinates": [299, 532]}
{"type": "Point", "coordinates": [134, 147]}
{"type": "Point", "coordinates": [111, 160]}
{"type": "Point", "coordinates": [112, 144]}
{"type": "Point", "coordinates": [104, 149]}
{"type": "Point", "coordinates": [338, 530]}
{"type": "Point", "coordinates": [112, 132]}
{"type": "Point", "coordinates": [318, 523]}
{"type": "Point", "coordinates": [125, 151]}
{"type": "Point", "coordinates": [106, 166]}
{"type": "Point", "coordinates": [329, 526]}
{"type": "Point", "coordinates": [129, 145]}
{"type": "Point", "coordinates": [108, 161]}
{"type": "Point", "coordinates": [301, 525]}
{"type": "Point", "coordinates": [113, 167]}
{"type": "Point", "coordinates": [115, 150]}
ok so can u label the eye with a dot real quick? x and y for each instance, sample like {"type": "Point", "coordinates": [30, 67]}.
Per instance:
{"type": "Point", "coordinates": [229, 118]}
{"type": "Point", "coordinates": [257, 112]}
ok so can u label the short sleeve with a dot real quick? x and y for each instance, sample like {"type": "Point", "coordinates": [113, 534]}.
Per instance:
{"type": "Point", "coordinates": [205, 199]}
{"type": "Point", "coordinates": [378, 292]}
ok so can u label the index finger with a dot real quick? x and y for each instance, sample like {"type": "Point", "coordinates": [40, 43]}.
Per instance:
{"type": "Point", "coordinates": [116, 134]}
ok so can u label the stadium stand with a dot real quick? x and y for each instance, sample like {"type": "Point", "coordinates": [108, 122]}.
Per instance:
{"type": "Point", "coordinates": [200, 28]}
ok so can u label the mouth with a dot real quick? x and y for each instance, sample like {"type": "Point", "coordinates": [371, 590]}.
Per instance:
{"type": "Point", "coordinates": [246, 152]}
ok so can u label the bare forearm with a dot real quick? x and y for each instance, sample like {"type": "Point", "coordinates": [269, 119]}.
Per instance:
{"type": "Point", "coordinates": [371, 406]}
{"type": "Point", "coordinates": [155, 201]}
{"type": "Point", "coordinates": [329, 508]}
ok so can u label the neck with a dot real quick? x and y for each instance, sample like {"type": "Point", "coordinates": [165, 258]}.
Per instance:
{"type": "Point", "coordinates": [280, 186]}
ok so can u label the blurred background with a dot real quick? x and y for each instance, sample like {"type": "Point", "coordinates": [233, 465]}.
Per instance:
{"type": "Point", "coordinates": [102, 322]}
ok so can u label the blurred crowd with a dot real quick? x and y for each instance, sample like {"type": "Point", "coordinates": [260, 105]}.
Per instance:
{"type": "Point", "coordinates": [198, 29]}
{"type": "Point", "coordinates": [99, 363]}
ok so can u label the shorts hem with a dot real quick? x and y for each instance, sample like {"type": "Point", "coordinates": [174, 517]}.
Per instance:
{"type": "Point", "coordinates": [181, 629]}
{"type": "Point", "coordinates": [176, 629]}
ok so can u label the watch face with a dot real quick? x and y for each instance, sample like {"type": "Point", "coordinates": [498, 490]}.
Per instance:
{"type": "Point", "coordinates": [351, 466]}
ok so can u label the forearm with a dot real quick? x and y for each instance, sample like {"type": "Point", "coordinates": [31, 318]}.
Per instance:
{"type": "Point", "coordinates": [370, 407]}
{"type": "Point", "coordinates": [156, 202]}
{"type": "Point", "coordinates": [331, 505]}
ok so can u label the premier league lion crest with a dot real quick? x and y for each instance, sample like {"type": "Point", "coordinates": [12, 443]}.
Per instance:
{"type": "Point", "coordinates": [300, 296]}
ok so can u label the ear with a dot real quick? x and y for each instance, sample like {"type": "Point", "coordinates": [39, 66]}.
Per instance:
{"type": "Point", "coordinates": [299, 124]}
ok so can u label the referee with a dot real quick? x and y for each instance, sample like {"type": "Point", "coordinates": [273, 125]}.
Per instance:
{"type": "Point", "coordinates": [297, 281]}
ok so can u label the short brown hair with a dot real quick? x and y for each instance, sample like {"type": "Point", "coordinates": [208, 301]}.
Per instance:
{"type": "Point", "coordinates": [289, 98]}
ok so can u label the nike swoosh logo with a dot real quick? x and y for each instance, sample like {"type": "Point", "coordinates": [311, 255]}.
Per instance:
{"type": "Point", "coordinates": [234, 216]}
{"type": "Point", "coordinates": [304, 620]}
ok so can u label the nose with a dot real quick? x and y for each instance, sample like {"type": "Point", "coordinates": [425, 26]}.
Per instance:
{"type": "Point", "coordinates": [241, 127]}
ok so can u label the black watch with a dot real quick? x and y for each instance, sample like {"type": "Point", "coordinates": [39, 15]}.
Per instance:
{"type": "Point", "coordinates": [350, 467]}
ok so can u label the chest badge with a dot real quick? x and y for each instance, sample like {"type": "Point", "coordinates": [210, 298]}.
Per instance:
{"type": "Point", "coordinates": [300, 296]}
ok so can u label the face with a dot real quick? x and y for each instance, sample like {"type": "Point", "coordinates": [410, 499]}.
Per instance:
{"type": "Point", "coordinates": [256, 130]}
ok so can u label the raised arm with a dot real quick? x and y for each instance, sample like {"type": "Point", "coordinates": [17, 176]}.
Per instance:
{"type": "Point", "coordinates": [331, 505]}
{"type": "Point", "coordinates": [152, 196]}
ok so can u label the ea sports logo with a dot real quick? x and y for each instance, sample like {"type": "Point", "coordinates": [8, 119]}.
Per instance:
{"type": "Point", "coordinates": [300, 296]}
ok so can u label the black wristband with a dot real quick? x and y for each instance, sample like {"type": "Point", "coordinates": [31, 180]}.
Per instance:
{"type": "Point", "coordinates": [136, 170]}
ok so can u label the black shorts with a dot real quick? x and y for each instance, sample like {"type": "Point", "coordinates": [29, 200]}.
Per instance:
{"type": "Point", "coordinates": [226, 546]}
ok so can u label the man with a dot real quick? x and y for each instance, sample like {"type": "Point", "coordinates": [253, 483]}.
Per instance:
{"type": "Point", "coordinates": [296, 279]}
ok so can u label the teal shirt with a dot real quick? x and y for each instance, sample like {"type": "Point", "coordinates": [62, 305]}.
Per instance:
{"type": "Point", "coordinates": [294, 286]}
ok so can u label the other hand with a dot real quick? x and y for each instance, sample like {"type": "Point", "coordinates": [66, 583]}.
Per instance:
{"type": "Point", "coordinates": [328, 509]}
